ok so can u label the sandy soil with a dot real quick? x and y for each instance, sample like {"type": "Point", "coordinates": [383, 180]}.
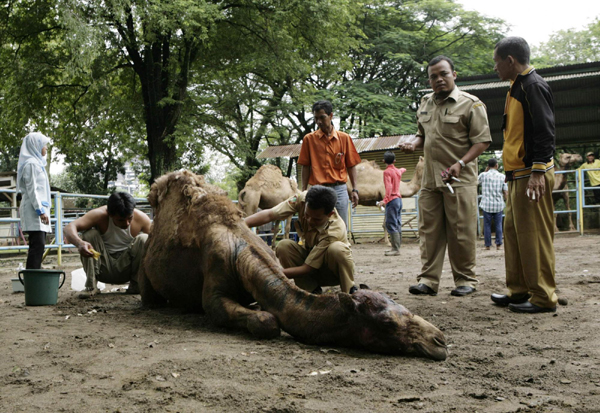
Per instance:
{"type": "Point", "coordinates": [108, 354]}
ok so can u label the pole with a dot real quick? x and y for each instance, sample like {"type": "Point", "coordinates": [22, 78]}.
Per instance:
{"type": "Point", "coordinates": [580, 194]}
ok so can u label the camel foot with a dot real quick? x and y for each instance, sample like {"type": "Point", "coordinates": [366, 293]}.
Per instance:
{"type": "Point", "coordinates": [263, 325]}
{"type": "Point", "coordinates": [133, 288]}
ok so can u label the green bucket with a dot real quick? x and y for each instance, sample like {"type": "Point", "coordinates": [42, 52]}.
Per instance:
{"type": "Point", "coordinates": [41, 286]}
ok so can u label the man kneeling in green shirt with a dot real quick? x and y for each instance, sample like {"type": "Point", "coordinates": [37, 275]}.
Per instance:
{"type": "Point", "coordinates": [324, 258]}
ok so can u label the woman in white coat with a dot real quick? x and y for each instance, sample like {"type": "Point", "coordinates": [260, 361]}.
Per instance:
{"type": "Point", "coordinates": [33, 183]}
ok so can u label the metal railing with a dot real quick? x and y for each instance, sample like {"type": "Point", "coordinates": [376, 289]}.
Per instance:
{"type": "Point", "coordinates": [57, 220]}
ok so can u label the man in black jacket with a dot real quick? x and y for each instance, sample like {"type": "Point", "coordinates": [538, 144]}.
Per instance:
{"type": "Point", "coordinates": [528, 156]}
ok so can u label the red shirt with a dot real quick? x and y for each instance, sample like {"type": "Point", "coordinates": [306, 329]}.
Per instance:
{"type": "Point", "coordinates": [328, 156]}
{"type": "Point", "coordinates": [391, 180]}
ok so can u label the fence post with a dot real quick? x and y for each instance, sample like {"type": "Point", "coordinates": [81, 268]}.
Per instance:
{"type": "Point", "coordinates": [581, 196]}
{"type": "Point", "coordinates": [58, 229]}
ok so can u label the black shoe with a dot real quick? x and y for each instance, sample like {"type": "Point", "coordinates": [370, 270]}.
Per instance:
{"type": "Point", "coordinates": [353, 289]}
{"type": "Point", "coordinates": [504, 300]}
{"type": "Point", "coordinates": [529, 308]}
{"type": "Point", "coordinates": [317, 291]}
{"type": "Point", "coordinates": [421, 289]}
{"type": "Point", "coordinates": [462, 291]}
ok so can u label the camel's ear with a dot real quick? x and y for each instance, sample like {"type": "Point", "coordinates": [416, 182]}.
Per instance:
{"type": "Point", "coordinates": [347, 303]}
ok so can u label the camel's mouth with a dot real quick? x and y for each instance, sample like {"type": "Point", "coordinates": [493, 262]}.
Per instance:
{"type": "Point", "coordinates": [436, 350]}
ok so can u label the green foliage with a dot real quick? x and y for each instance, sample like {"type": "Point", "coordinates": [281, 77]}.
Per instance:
{"type": "Point", "coordinates": [567, 47]}
{"type": "Point", "coordinates": [378, 96]}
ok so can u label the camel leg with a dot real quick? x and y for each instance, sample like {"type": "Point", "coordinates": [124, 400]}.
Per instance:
{"type": "Point", "coordinates": [150, 297]}
{"type": "Point", "coordinates": [275, 233]}
{"type": "Point", "coordinates": [225, 312]}
{"type": "Point", "coordinates": [568, 206]}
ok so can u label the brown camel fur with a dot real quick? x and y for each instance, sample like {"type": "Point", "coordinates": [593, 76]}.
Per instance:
{"type": "Point", "coordinates": [201, 255]}
{"type": "Point", "coordinates": [267, 188]}
{"type": "Point", "coordinates": [565, 160]}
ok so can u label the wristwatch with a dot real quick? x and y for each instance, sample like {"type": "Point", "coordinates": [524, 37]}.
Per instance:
{"type": "Point", "coordinates": [461, 162]}
{"type": "Point", "coordinates": [355, 190]}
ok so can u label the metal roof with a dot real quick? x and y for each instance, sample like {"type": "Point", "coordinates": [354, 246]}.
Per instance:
{"type": "Point", "coordinates": [362, 145]}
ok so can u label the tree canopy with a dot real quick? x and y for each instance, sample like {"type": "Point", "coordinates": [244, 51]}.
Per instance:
{"type": "Point", "coordinates": [567, 47]}
{"type": "Point", "coordinates": [159, 82]}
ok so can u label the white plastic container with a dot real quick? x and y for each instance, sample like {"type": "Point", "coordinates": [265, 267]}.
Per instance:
{"type": "Point", "coordinates": [17, 287]}
{"type": "Point", "coordinates": [78, 280]}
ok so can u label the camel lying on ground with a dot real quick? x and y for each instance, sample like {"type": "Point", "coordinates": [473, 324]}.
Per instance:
{"type": "Point", "coordinates": [266, 189]}
{"type": "Point", "coordinates": [565, 160]}
{"type": "Point", "coordinates": [202, 256]}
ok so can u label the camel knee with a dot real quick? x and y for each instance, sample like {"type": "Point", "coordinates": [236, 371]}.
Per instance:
{"type": "Point", "coordinates": [263, 325]}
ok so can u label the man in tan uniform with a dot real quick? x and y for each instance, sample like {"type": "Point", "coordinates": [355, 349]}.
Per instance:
{"type": "Point", "coordinates": [325, 257]}
{"type": "Point", "coordinates": [453, 130]}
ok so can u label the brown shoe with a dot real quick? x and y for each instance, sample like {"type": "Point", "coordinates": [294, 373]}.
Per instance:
{"type": "Point", "coordinates": [499, 247]}
{"type": "Point", "coordinates": [486, 248]}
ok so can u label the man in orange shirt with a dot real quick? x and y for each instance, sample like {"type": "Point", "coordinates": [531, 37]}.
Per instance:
{"type": "Point", "coordinates": [328, 157]}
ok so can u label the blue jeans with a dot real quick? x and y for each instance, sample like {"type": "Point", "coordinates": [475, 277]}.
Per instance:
{"type": "Point", "coordinates": [487, 227]}
{"type": "Point", "coordinates": [393, 215]}
{"type": "Point", "coordinates": [342, 203]}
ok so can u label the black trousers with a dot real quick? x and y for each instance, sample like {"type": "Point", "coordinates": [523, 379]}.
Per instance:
{"type": "Point", "coordinates": [37, 242]}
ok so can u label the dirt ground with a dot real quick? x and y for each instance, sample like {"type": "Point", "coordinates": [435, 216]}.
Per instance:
{"type": "Point", "coordinates": [108, 354]}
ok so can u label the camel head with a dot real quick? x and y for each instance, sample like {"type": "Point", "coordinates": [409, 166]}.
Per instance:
{"type": "Point", "coordinates": [387, 327]}
{"type": "Point", "coordinates": [419, 169]}
{"type": "Point", "coordinates": [566, 159]}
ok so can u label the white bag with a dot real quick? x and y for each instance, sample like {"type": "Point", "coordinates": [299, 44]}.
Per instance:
{"type": "Point", "coordinates": [78, 280]}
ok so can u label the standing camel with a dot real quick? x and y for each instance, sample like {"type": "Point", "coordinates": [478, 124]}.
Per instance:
{"type": "Point", "coordinates": [266, 189]}
{"type": "Point", "coordinates": [565, 160]}
{"type": "Point", "coordinates": [370, 186]}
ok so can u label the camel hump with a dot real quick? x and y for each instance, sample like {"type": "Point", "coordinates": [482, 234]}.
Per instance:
{"type": "Point", "coordinates": [372, 164]}
{"type": "Point", "coordinates": [267, 176]}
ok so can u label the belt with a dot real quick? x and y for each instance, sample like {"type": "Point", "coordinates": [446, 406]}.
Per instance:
{"type": "Point", "coordinates": [334, 184]}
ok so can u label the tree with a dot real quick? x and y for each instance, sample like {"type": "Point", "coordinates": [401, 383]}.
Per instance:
{"type": "Point", "coordinates": [567, 47]}
{"type": "Point", "coordinates": [242, 98]}
{"type": "Point", "coordinates": [379, 95]}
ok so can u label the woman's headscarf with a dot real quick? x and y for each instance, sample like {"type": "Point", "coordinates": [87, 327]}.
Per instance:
{"type": "Point", "coordinates": [31, 152]}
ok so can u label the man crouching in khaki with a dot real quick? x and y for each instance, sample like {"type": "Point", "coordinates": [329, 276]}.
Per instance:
{"type": "Point", "coordinates": [118, 233]}
{"type": "Point", "coordinates": [325, 258]}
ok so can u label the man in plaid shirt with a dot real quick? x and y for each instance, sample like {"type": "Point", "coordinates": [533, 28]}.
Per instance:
{"type": "Point", "coordinates": [494, 191]}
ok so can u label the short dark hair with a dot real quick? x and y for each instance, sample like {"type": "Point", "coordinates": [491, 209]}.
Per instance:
{"type": "Point", "coordinates": [321, 197]}
{"type": "Point", "coordinates": [120, 203]}
{"type": "Point", "coordinates": [514, 46]}
{"type": "Point", "coordinates": [492, 162]}
{"type": "Point", "coordinates": [323, 104]}
{"type": "Point", "coordinates": [389, 157]}
{"type": "Point", "coordinates": [438, 59]}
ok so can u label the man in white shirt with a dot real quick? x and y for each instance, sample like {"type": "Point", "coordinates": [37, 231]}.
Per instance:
{"type": "Point", "coordinates": [493, 193]}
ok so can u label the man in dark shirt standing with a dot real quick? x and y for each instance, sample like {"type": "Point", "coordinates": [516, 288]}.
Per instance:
{"type": "Point", "coordinates": [528, 156]}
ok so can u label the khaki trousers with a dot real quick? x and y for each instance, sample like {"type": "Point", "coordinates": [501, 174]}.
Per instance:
{"type": "Point", "coordinates": [529, 243]}
{"type": "Point", "coordinates": [337, 269]}
{"type": "Point", "coordinates": [118, 268]}
{"type": "Point", "coordinates": [447, 219]}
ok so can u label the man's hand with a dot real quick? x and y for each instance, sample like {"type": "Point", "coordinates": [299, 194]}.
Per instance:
{"type": "Point", "coordinates": [407, 147]}
{"type": "Point", "coordinates": [536, 186]}
{"type": "Point", "coordinates": [84, 249]}
{"type": "Point", "coordinates": [454, 171]}
{"type": "Point", "coordinates": [354, 199]}
{"type": "Point", "coordinates": [45, 219]}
